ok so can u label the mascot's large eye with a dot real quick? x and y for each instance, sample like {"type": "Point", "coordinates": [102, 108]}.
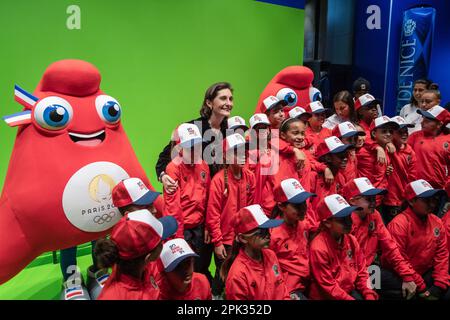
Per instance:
{"type": "Point", "coordinates": [108, 109]}
{"type": "Point", "coordinates": [53, 113]}
{"type": "Point", "coordinates": [315, 94]}
{"type": "Point", "coordinates": [289, 95]}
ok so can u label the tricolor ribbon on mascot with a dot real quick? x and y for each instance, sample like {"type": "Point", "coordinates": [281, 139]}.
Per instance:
{"type": "Point", "coordinates": [28, 101]}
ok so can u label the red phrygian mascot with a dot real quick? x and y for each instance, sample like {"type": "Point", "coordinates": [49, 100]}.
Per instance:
{"type": "Point", "coordinates": [69, 152]}
{"type": "Point", "coordinates": [292, 84]}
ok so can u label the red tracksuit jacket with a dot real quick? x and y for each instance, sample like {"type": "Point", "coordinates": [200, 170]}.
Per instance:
{"type": "Point", "coordinates": [446, 222]}
{"type": "Point", "coordinates": [249, 279]}
{"type": "Point", "coordinates": [222, 207]}
{"type": "Point", "coordinates": [199, 289]}
{"type": "Point", "coordinates": [125, 287]}
{"type": "Point", "coordinates": [188, 203]}
{"type": "Point", "coordinates": [262, 164]}
{"type": "Point", "coordinates": [433, 157]}
{"type": "Point", "coordinates": [290, 244]}
{"type": "Point", "coordinates": [322, 189]}
{"type": "Point", "coordinates": [423, 244]}
{"type": "Point", "coordinates": [405, 171]}
{"type": "Point", "coordinates": [315, 138]}
{"type": "Point", "coordinates": [372, 236]}
{"type": "Point", "coordinates": [337, 269]}
{"type": "Point", "coordinates": [351, 170]}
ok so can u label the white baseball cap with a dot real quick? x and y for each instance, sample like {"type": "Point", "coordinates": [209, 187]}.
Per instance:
{"type": "Point", "coordinates": [299, 112]}
{"type": "Point", "coordinates": [236, 122]}
{"type": "Point", "coordinates": [331, 145]}
{"type": "Point", "coordinates": [334, 206]}
{"type": "Point", "coordinates": [271, 102]}
{"type": "Point", "coordinates": [383, 121]}
{"type": "Point", "coordinates": [290, 190]}
{"type": "Point", "coordinates": [420, 189]}
{"type": "Point", "coordinates": [259, 118]}
{"type": "Point", "coordinates": [346, 129]}
{"type": "Point", "coordinates": [132, 191]}
{"type": "Point", "coordinates": [360, 187]}
{"type": "Point", "coordinates": [187, 135]}
{"type": "Point", "coordinates": [175, 251]}
{"type": "Point", "coordinates": [233, 141]}
{"type": "Point", "coordinates": [402, 122]}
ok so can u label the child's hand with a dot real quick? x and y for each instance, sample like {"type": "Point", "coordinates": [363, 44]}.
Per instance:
{"type": "Point", "coordinates": [328, 175]}
{"type": "Point", "coordinates": [169, 184]}
{"type": "Point", "coordinates": [220, 252]}
{"type": "Point", "coordinates": [381, 155]}
{"type": "Point", "coordinates": [301, 157]}
{"type": "Point", "coordinates": [391, 148]}
{"type": "Point", "coordinates": [408, 289]}
{"type": "Point", "coordinates": [207, 238]}
{"type": "Point", "coordinates": [389, 170]}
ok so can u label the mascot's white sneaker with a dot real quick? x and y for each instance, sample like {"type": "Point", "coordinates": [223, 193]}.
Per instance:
{"type": "Point", "coordinates": [73, 289]}
{"type": "Point", "coordinates": [96, 281]}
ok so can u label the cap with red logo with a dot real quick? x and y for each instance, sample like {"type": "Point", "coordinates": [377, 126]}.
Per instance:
{"type": "Point", "coordinates": [346, 130]}
{"type": "Point", "coordinates": [334, 206]}
{"type": "Point", "coordinates": [315, 107]}
{"type": "Point", "coordinates": [366, 100]}
{"type": "Point", "coordinates": [360, 187]}
{"type": "Point", "coordinates": [174, 252]}
{"type": "Point", "coordinates": [402, 122]}
{"type": "Point", "coordinates": [383, 121]}
{"type": "Point", "coordinates": [299, 113]}
{"type": "Point", "coordinates": [271, 102]}
{"type": "Point", "coordinates": [132, 191]}
{"type": "Point", "coordinates": [252, 217]}
{"type": "Point", "coordinates": [259, 118]}
{"type": "Point", "coordinates": [290, 190]}
{"type": "Point", "coordinates": [331, 145]}
{"type": "Point", "coordinates": [187, 135]}
{"type": "Point", "coordinates": [436, 113]}
{"type": "Point", "coordinates": [233, 141]}
{"type": "Point", "coordinates": [236, 122]}
{"type": "Point", "coordinates": [420, 189]}
{"type": "Point", "coordinates": [139, 232]}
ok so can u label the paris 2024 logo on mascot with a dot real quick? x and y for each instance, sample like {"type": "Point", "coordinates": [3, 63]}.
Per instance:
{"type": "Point", "coordinates": [292, 84]}
{"type": "Point", "coordinates": [70, 151]}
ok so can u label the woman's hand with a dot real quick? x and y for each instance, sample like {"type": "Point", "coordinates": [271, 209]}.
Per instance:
{"type": "Point", "coordinates": [169, 184]}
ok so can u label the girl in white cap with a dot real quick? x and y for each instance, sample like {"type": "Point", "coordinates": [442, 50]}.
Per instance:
{"type": "Point", "coordinates": [252, 271]}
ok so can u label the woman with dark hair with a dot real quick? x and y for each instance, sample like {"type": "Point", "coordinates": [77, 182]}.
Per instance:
{"type": "Point", "coordinates": [344, 110]}
{"type": "Point", "coordinates": [409, 111]}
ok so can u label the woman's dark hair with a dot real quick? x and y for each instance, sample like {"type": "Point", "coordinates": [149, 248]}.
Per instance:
{"type": "Point", "coordinates": [107, 255]}
{"type": "Point", "coordinates": [428, 85]}
{"type": "Point", "coordinates": [347, 98]}
{"type": "Point", "coordinates": [226, 265]}
{"type": "Point", "coordinates": [210, 95]}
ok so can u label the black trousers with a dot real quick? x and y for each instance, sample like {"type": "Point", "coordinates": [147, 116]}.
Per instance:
{"type": "Point", "coordinates": [195, 238]}
{"type": "Point", "coordinates": [218, 285]}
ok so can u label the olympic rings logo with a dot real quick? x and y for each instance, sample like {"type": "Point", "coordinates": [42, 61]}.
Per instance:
{"type": "Point", "coordinates": [104, 218]}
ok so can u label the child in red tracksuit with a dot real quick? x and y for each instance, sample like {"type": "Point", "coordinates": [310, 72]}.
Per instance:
{"type": "Point", "coordinates": [315, 133]}
{"type": "Point", "coordinates": [135, 241]}
{"type": "Point", "coordinates": [232, 188]}
{"type": "Point", "coordinates": [404, 166]}
{"type": "Point", "coordinates": [178, 281]}
{"type": "Point", "coordinates": [372, 235]}
{"type": "Point", "coordinates": [252, 271]}
{"type": "Point", "coordinates": [349, 134]}
{"type": "Point", "coordinates": [381, 131]}
{"type": "Point", "coordinates": [432, 148]}
{"type": "Point", "coordinates": [290, 240]}
{"type": "Point", "coordinates": [335, 154]}
{"type": "Point", "coordinates": [188, 202]}
{"type": "Point", "coordinates": [338, 267]}
{"type": "Point", "coordinates": [422, 241]}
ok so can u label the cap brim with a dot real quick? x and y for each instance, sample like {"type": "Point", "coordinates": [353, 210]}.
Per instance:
{"type": "Point", "coordinates": [282, 103]}
{"type": "Point", "coordinates": [170, 226]}
{"type": "Point", "coordinates": [374, 192]}
{"type": "Point", "coordinates": [271, 223]}
{"type": "Point", "coordinates": [147, 198]}
{"type": "Point", "coordinates": [343, 148]}
{"type": "Point", "coordinates": [302, 197]}
{"type": "Point", "coordinates": [304, 114]}
{"type": "Point", "coordinates": [405, 125]}
{"type": "Point", "coordinates": [191, 143]}
{"type": "Point", "coordinates": [239, 127]}
{"type": "Point", "coordinates": [320, 111]}
{"type": "Point", "coordinates": [262, 122]}
{"type": "Point", "coordinates": [388, 124]}
{"type": "Point", "coordinates": [373, 102]}
{"type": "Point", "coordinates": [430, 193]}
{"type": "Point", "coordinates": [426, 114]}
{"type": "Point", "coordinates": [353, 133]}
{"type": "Point", "coordinates": [346, 212]}
{"type": "Point", "coordinates": [177, 261]}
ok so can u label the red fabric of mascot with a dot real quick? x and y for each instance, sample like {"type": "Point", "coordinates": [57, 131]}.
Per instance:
{"type": "Point", "coordinates": [70, 151]}
{"type": "Point", "coordinates": [292, 84]}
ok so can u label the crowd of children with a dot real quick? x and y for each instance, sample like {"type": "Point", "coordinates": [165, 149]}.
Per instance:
{"type": "Point", "coordinates": [295, 206]}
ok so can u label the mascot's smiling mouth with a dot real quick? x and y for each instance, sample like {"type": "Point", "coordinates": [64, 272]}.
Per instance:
{"type": "Point", "coordinates": [90, 140]}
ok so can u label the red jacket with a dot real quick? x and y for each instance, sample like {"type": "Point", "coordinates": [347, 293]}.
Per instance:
{"type": "Point", "coordinates": [262, 164]}
{"type": "Point", "coordinates": [337, 269]}
{"type": "Point", "coordinates": [322, 189]}
{"type": "Point", "coordinates": [405, 171]}
{"type": "Point", "coordinates": [433, 157]}
{"type": "Point", "coordinates": [423, 244]}
{"type": "Point", "coordinates": [290, 244]}
{"type": "Point", "coordinates": [351, 170]}
{"type": "Point", "coordinates": [188, 203]}
{"type": "Point", "coordinates": [369, 167]}
{"type": "Point", "coordinates": [249, 279]}
{"type": "Point", "coordinates": [315, 138]}
{"type": "Point", "coordinates": [199, 289]}
{"type": "Point", "coordinates": [446, 222]}
{"type": "Point", "coordinates": [223, 205]}
{"type": "Point", "coordinates": [125, 287]}
{"type": "Point", "coordinates": [373, 236]}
